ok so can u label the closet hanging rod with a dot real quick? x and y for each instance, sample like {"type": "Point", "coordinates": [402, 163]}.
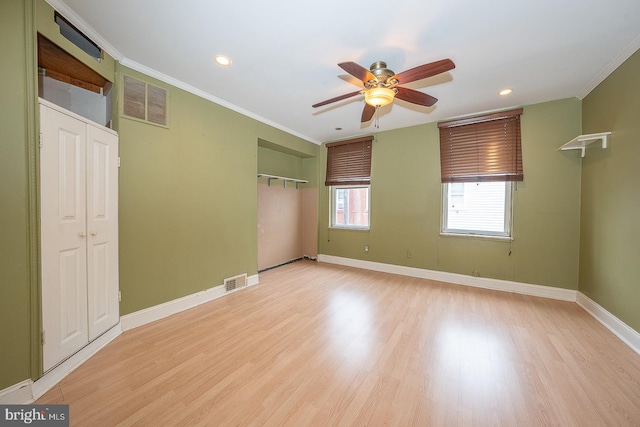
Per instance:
{"type": "Point", "coordinates": [283, 178]}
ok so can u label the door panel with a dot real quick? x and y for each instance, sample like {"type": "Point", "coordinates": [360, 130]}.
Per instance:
{"type": "Point", "coordinates": [63, 235]}
{"type": "Point", "coordinates": [102, 227]}
{"type": "Point", "coordinates": [72, 295]}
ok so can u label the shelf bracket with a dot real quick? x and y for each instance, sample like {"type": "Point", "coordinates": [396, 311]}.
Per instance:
{"type": "Point", "coordinates": [284, 180]}
{"type": "Point", "coordinates": [582, 141]}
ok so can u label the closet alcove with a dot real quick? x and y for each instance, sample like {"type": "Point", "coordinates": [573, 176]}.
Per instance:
{"type": "Point", "coordinates": [287, 205]}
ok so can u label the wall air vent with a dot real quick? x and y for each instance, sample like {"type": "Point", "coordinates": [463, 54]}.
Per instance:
{"type": "Point", "coordinates": [144, 101]}
{"type": "Point", "coordinates": [236, 282]}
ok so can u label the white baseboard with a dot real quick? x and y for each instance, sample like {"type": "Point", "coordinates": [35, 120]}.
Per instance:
{"type": "Point", "coordinates": [17, 394]}
{"type": "Point", "coordinates": [28, 391]}
{"type": "Point", "coordinates": [160, 311]}
{"type": "Point", "coordinates": [55, 375]}
{"type": "Point", "coordinates": [459, 279]}
{"type": "Point", "coordinates": [627, 334]}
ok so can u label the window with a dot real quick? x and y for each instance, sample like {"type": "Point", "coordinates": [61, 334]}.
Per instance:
{"type": "Point", "coordinates": [144, 101]}
{"type": "Point", "coordinates": [350, 206]}
{"type": "Point", "coordinates": [349, 176]}
{"type": "Point", "coordinates": [480, 208]}
{"type": "Point", "coordinates": [479, 158]}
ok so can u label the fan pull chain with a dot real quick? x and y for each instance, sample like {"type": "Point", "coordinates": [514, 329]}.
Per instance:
{"type": "Point", "coordinates": [376, 119]}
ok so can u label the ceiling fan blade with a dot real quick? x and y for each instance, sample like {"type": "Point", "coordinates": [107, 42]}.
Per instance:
{"type": "Point", "coordinates": [415, 97]}
{"type": "Point", "coordinates": [357, 71]}
{"type": "Point", "coordinates": [367, 113]}
{"type": "Point", "coordinates": [337, 98]}
{"type": "Point", "coordinates": [423, 71]}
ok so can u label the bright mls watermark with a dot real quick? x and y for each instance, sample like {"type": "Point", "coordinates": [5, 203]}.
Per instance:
{"type": "Point", "coordinates": [34, 415]}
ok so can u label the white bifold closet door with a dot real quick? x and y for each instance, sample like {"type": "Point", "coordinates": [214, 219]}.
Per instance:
{"type": "Point", "coordinates": [79, 232]}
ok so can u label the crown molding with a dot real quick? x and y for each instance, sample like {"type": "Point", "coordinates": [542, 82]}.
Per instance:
{"type": "Point", "coordinates": [610, 68]}
{"type": "Point", "coordinates": [202, 94]}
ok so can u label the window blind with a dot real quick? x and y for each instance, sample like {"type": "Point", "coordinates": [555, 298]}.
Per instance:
{"type": "Point", "coordinates": [349, 162]}
{"type": "Point", "coordinates": [482, 148]}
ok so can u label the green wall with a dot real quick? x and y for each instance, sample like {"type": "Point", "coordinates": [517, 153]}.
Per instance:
{"type": "Point", "coordinates": [610, 216]}
{"type": "Point", "coordinates": [406, 206]}
{"type": "Point", "coordinates": [188, 197]}
{"type": "Point", "coordinates": [15, 303]}
{"type": "Point", "coordinates": [287, 161]}
{"type": "Point", "coordinates": [273, 162]}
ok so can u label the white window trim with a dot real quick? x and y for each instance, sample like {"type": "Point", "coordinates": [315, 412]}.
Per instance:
{"type": "Point", "coordinates": [332, 224]}
{"type": "Point", "coordinates": [508, 218]}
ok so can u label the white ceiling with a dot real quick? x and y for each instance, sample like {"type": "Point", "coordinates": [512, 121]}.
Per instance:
{"type": "Point", "coordinates": [285, 53]}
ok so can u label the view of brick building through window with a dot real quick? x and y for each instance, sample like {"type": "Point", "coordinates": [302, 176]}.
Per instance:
{"type": "Point", "coordinates": [351, 207]}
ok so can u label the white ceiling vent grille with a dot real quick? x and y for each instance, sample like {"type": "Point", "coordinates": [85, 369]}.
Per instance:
{"type": "Point", "coordinates": [236, 282]}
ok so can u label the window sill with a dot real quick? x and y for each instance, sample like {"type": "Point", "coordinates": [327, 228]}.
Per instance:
{"type": "Point", "coordinates": [478, 236]}
{"type": "Point", "coordinates": [349, 228]}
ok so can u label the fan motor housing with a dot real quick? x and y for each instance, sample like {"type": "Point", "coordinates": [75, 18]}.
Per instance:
{"type": "Point", "coordinates": [380, 70]}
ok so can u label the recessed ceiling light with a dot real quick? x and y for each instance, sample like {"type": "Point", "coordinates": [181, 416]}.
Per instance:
{"type": "Point", "coordinates": [504, 92]}
{"type": "Point", "coordinates": [223, 60]}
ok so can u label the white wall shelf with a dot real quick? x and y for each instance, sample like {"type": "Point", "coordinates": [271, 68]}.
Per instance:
{"type": "Point", "coordinates": [283, 178]}
{"type": "Point", "coordinates": [581, 142]}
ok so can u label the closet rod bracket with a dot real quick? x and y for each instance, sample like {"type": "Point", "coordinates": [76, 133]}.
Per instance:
{"type": "Point", "coordinates": [283, 178]}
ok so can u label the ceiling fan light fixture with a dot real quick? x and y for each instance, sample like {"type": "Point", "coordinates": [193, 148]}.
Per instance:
{"type": "Point", "coordinates": [379, 96]}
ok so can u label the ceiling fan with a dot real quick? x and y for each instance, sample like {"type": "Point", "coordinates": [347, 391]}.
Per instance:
{"type": "Point", "coordinates": [381, 85]}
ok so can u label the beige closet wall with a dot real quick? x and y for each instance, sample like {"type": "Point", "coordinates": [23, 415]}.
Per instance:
{"type": "Point", "coordinates": [287, 216]}
{"type": "Point", "coordinates": [279, 224]}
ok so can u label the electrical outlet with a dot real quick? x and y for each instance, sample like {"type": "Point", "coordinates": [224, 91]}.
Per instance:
{"type": "Point", "coordinates": [366, 248]}
{"type": "Point", "coordinates": [409, 254]}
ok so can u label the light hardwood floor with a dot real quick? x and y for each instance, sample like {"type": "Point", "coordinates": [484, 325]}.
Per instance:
{"type": "Point", "coordinates": [322, 345]}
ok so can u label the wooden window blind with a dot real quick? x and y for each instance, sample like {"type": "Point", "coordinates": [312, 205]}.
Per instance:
{"type": "Point", "coordinates": [482, 148]}
{"type": "Point", "coordinates": [349, 162]}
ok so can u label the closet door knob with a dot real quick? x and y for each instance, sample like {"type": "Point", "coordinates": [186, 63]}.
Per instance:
{"type": "Point", "coordinates": [82, 234]}
{"type": "Point", "coordinates": [93, 233]}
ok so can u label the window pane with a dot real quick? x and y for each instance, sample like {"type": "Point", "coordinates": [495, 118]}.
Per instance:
{"type": "Point", "coordinates": [350, 207]}
{"type": "Point", "coordinates": [480, 208]}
